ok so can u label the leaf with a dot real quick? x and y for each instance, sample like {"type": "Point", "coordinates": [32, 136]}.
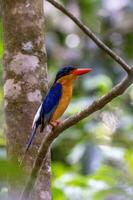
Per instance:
{"type": "Point", "coordinates": [58, 194]}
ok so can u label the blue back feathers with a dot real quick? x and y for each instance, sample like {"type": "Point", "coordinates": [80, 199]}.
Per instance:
{"type": "Point", "coordinates": [51, 101]}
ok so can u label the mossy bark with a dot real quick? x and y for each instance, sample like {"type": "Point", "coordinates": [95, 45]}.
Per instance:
{"type": "Point", "coordinates": [25, 81]}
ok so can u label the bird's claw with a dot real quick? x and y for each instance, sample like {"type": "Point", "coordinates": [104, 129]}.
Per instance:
{"type": "Point", "coordinates": [55, 123]}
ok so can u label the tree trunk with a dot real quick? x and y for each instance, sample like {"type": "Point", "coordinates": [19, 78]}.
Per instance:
{"type": "Point", "coordinates": [25, 76]}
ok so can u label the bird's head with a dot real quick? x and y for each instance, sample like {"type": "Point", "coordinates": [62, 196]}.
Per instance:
{"type": "Point", "coordinates": [70, 72]}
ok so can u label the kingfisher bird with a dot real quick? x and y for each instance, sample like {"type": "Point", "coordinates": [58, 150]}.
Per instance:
{"type": "Point", "coordinates": [56, 100]}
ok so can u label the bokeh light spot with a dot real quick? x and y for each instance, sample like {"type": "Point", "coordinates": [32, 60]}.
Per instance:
{"type": "Point", "coordinates": [72, 40]}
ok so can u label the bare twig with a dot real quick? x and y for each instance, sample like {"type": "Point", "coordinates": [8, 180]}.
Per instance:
{"type": "Point", "coordinates": [95, 106]}
{"type": "Point", "coordinates": [88, 32]}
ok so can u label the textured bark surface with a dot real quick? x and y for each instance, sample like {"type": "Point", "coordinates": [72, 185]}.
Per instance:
{"type": "Point", "coordinates": [25, 81]}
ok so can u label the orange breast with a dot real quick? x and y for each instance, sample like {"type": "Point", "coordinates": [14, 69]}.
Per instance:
{"type": "Point", "coordinates": [67, 85]}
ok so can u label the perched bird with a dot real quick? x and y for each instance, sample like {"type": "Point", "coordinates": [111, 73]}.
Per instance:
{"type": "Point", "coordinates": [56, 100]}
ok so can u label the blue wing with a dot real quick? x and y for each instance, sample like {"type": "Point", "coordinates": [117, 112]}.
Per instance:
{"type": "Point", "coordinates": [46, 110]}
{"type": "Point", "coordinates": [50, 102]}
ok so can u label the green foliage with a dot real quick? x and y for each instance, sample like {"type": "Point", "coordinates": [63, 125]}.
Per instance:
{"type": "Point", "coordinates": [128, 47]}
{"type": "Point", "coordinates": [129, 160]}
{"type": "Point", "coordinates": [104, 182]}
{"type": "Point", "coordinates": [58, 194]}
{"type": "Point", "coordinates": [2, 141]}
{"type": "Point", "coordinates": [109, 192]}
{"type": "Point", "coordinates": [100, 83]}
{"type": "Point", "coordinates": [9, 170]}
{"type": "Point", "coordinates": [89, 9]}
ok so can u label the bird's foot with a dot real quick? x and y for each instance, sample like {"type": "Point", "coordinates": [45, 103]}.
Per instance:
{"type": "Point", "coordinates": [55, 123]}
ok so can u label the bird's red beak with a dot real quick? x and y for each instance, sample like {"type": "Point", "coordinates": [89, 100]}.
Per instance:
{"type": "Point", "coordinates": [81, 71]}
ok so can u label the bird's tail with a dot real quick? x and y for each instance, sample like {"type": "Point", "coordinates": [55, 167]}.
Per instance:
{"type": "Point", "coordinates": [29, 143]}
{"type": "Point", "coordinates": [31, 138]}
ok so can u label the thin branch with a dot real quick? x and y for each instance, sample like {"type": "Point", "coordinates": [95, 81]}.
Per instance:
{"type": "Point", "coordinates": [95, 106]}
{"type": "Point", "coordinates": [89, 33]}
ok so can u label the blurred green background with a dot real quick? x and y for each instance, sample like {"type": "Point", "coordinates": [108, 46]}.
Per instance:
{"type": "Point", "coordinates": [93, 160]}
